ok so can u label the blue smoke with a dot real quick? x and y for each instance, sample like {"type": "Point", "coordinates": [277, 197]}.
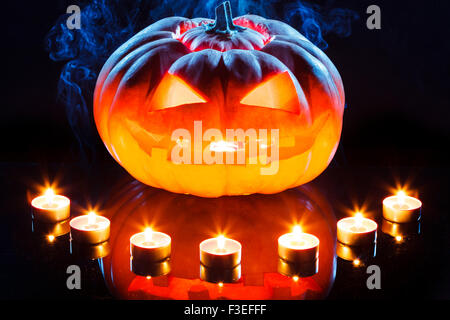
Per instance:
{"type": "Point", "coordinates": [106, 24]}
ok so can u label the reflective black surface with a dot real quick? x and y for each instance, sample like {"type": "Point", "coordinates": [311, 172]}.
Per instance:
{"type": "Point", "coordinates": [34, 265]}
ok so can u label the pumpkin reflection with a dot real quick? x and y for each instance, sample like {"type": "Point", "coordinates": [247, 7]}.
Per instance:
{"type": "Point", "coordinates": [256, 221]}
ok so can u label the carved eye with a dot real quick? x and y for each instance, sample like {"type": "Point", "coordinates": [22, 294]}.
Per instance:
{"type": "Point", "coordinates": [278, 92]}
{"type": "Point", "coordinates": [173, 92]}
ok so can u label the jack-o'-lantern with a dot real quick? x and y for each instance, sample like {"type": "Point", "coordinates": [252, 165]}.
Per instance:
{"type": "Point", "coordinates": [188, 220]}
{"type": "Point", "coordinates": [166, 100]}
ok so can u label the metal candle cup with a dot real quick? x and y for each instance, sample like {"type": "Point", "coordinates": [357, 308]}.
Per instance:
{"type": "Point", "coordinates": [357, 230]}
{"type": "Point", "coordinates": [90, 228]}
{"type": "Point", "coordinates": [298, 247]}
{"type": "Point", "coordinates": [150, 246]}
{"type": "Point", "coordinates": [50, 207]}
{"type": "Point", "coordinates": [401, 208]}
{"type": "Point", "coordinates": [220, 252]}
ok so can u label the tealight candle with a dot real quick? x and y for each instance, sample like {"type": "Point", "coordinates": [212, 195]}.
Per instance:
{"type": "Point", "coordinates": [50, 207]}
{"type": "Point", "coordinates": [357, 230]}
{"type": "Point", "coordinates": [220, 252]}
{"type": "Point", "coordinates": [90, 228]}
{"type": "Point", "coordinates": [298, 247]}
{"type": "Point", "coordinates": [401, 208]}
{"type": "Point", "coordinates": [150, 246]}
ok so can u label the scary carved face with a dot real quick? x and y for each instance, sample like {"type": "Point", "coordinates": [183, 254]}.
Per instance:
{"type": "Point", "coordinates": [187, 76]}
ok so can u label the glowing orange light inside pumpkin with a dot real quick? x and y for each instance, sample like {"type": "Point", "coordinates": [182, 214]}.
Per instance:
{"type": "Point", "coordinates": [278, 92]}
{"type": "Point", "coordinates": [172, 92]}
{"type": "Point", "coordinates": [223, 146]}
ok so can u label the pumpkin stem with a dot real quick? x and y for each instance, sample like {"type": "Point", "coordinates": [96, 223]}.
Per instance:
{"type": "Point", "coordinates": [223, 23]}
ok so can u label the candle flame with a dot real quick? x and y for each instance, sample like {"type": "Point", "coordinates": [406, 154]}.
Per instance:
{"type": "Point", "coordinates": [148, 234]}
{"type": "Point", "coordinates": [358, 218]}
{"type": "Point", "coordinates": [297, 230]}
{"type": "Point", "coordinates": [295, 278]}
{"type": "Point", "coordinates": [49, 195]}
{"type": "Point", "coordinates": [91, 217]}
{"type": "Point", "coordinates": [356, 262]}
{"type": "Point", "coordinates": [221, 242]}
{"type": "Point", "coordinates": [401, 195]}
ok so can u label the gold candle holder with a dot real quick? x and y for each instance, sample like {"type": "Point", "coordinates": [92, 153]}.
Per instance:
{"type": "Point", "coordinates": [150, 246]}
{"type": "Point", "coordinates": [218, 275]}
{"type": "Point", "coordinates": [91, 252]}
{"type": "Point", "coordinates": [50, 207]}
{"type": "Point", "coordinates": [302, 270]}
{"type": "Point", "coordinates": [401, 208]}
{"type": "Point", "coordinates": [90, 228]}
{"type": "Point", "coordinates": [150, 269]}
{"type": "Point", "coordinates": [220, 252]}
{"type": "Point", "coordinates": [298, 247]}
{"type": "Point", "coordinates": [357, 230]}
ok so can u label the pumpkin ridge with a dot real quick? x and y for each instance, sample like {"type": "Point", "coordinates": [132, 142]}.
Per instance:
{"type": "Point", "coordinates": [127, 62]}
{"type": "Point", "coordinates": [305, 56]}
{"type": "Point", "coordinates": [306, 45]}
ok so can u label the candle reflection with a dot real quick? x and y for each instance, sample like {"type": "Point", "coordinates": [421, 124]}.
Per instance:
{"type": "Point", "coordinates": [247, 219]}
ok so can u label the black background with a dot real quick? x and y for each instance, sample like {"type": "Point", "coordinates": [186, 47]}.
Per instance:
{"type": "Point", "coordinates": [396, 82]}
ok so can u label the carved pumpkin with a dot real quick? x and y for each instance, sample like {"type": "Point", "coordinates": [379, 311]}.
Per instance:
{"type": "Point", "coordinates": [247, 73]}
{"type": "Point", "coordinates": [189, 220]}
